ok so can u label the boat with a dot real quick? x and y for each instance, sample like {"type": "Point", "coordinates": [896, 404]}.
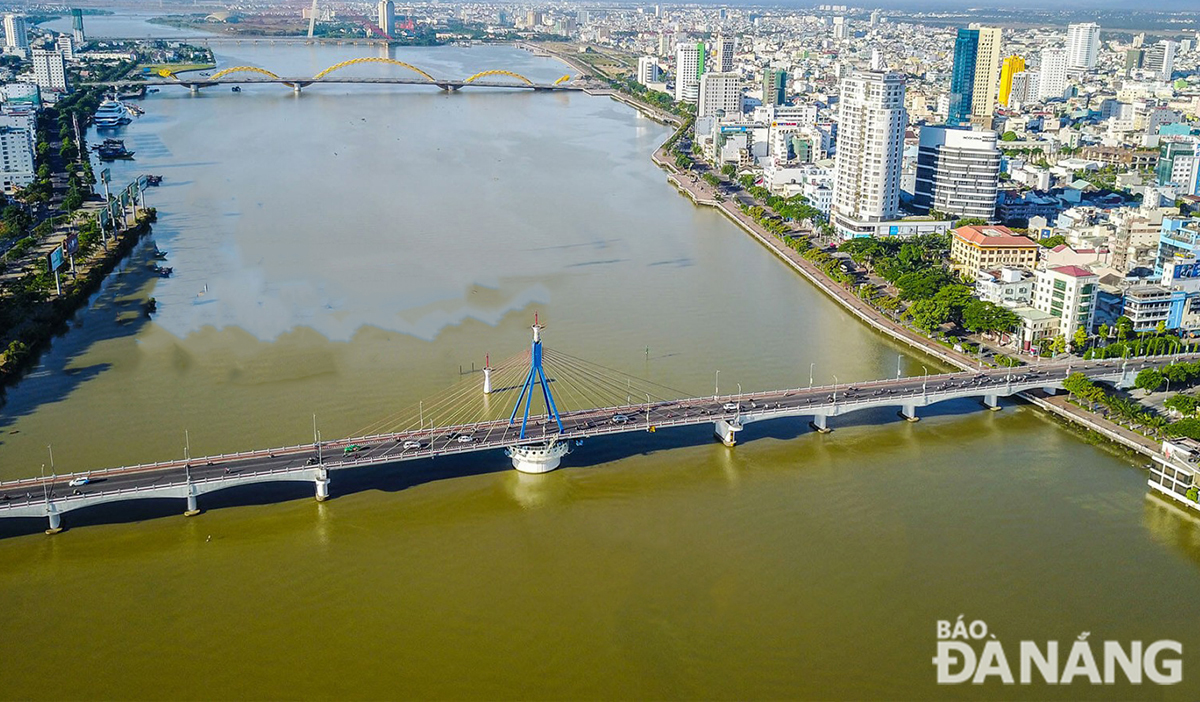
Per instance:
{"type": "Point", "coordinates": [110, 114]}
{"type": "Point", "coordinates": [236, 88]}
{"type": "Point", "coordinates": [153, 179]}
{"type": "Point", "coordinates": [113, 149]}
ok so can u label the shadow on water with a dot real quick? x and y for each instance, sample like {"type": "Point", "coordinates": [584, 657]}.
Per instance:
{"type": "Point", "coordinates": [397, 477]}
{"type": "Point", "coordinates": [114, 311]}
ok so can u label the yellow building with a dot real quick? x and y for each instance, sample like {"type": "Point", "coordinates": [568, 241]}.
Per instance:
{"type": "Point", "coordinates": [1008, 68]}
{"type": "Point", "coordinates": [988, 247]}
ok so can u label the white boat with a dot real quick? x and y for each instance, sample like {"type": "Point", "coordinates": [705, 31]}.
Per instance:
{"type": "Point", "coordinates": [111, 113]}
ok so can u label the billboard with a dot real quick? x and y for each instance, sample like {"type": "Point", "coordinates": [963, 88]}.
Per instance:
{"type": "Point", "coordinates": [55, 259]}
{"type": "Point", "coordinates": [1187, 270]}
{"type": "Point", "coordinates": [71, 244]}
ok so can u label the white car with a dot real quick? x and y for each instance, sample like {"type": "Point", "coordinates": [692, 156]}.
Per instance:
{"type": "Point", "coordinates": [412, 445]}
{"type": "Point", "coordinates": [465, 439]}
{"type": "Point", "coordinates": [731, 407]}
{"type": "Point", "coordinates": [80, 481]}
{"type": "Point", "coordinates": [619, 419]}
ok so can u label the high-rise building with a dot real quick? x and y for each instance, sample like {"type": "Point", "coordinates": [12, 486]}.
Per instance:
{"type": "Point", "coordinates": [16, 158]}
{"type": "Point", "coordinates": [689, 66]}
{"type": "Point", "coordinates": [841, 29]}
{"type": "Point", "coordinates": [1083, 46]}
{"type": "Point", "coordinates": [958, 172]}
{"type": "Point", "coordinates": [720, 92]}
{"type": "Point", "coordinates": [49, 71]}
{"type": "Point", "coordinates": [1069, 293]}
{"type": "Point", "coordinates": [723, 60]}
{"type": "Point", "coordinates": [1052, 74]}
{"type": "Point", "coordinates": [774, 86]}
{"type": "Point", "coordinates": [1011, 66]}
{"type": "Point", "coordinates": [870, 145]}
{"type": "Point", "coordinates": [647, 70]}
{"type": "Point", "coordinates": [15, 36]}
{"type": "Point", "coordinates": [77, 27]}
{"type": "Point", "coordinates": [973, 77]}
{"type": "Point", "coordinates": [65, 44]}
{"type": "Point", "coordinates": [387, 17]}
{"type": "Point", "coordinates": [1133, 60]}
{"type": "Point", "coordinates": [664, 45]}
{"type": "Point", "coordinates": [1160, 58]}
{"type": "Point", "coordinates": [1024, 88]}
{"type": "Point", "coordinates": [962, 76]}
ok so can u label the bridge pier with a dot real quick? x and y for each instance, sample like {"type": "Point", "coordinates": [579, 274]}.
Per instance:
{"type": "Point", "coordinates": [193, 507]}
{"type": "Point", "coordinates": [538, 458]}
{"type": "Point", "coordinates": [821, 423]}
{"type": "Point", "coordinates": [194, 89]}
{"type": "Point", "coordinates": [992, 402]}
{"type": "Point", "coordinates": [1051, 391]}
{"type": "Point", "coordinates": [908, 412]}
{"type": "Point", "coordinates": [322, 482]}
{"type": "Point", "coordinates": [55, 519]}
{"type": "Point", "coordinates": [727, 431]}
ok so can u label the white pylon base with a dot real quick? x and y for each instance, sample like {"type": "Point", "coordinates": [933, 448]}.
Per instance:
{"type": "Point", "coordinates": [538, 458]}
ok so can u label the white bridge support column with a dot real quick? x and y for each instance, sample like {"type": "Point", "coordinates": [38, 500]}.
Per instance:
{"type": "Point", "coordinates": [908, 412]}
{"type": "Point", "coordinates": [55, 519]}
{"type": "Point", "coordinates": [820, 423]}
{"type": "Point", "coordinates": [992, 402]}
{"type": "Point", "coordinates": [727, 431]}
{"type": "Point", "coordinates": [322, 482]}
{"type": "Point", "coordinates": [193, 507]}
{"type": "Point", "coordinates": [538, 458]}
{"type": "Point", "coordinates": [194, 89]}
{"type": "Point", "coordinates": [1050, 391]}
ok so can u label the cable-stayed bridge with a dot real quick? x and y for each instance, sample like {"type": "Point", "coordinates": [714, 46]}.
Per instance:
{"type": "Point", "coordinates": [536, 407]}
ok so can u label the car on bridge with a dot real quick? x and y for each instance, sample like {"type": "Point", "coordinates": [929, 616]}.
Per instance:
{"type": "Point", "coordinates": [80, 481]}
{"type": "Point", "coordinates": [352, 448]}
{"type": "Point", "coordinates": [409, 445]}
{"type": "Point", "coordinates": [731, 406]}
{"type": "Point", "coordinates": [465, 439]}
{"type": "Point", "coordinates": [619, 419]}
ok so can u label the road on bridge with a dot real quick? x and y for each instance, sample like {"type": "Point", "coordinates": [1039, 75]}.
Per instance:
{"type": "Point", "coordinates": [442, 441]}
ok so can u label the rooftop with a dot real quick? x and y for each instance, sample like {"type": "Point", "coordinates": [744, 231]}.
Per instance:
{"type": "Point", "coordinates": [1073, 271]}
{"type": "Point", "coordinates": [992, 235]}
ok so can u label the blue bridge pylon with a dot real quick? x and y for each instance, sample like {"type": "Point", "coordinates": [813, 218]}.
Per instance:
{"type": "Point", "coordinates": [536, 376]}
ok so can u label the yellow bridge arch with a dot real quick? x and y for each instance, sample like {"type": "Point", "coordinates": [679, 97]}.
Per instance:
{"type": "Point", "coordinates": [481, 74]}
{"type": "Point", "coordinates": [562, 80]}
{"type": "Point", "coordinates": [239, 69]}
{"type": "Point", "coordinates": [372, 59]}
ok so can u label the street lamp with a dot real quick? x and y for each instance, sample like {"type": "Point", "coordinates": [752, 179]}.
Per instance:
{"type": "Point", "coordinates": [717, 385]}
{"type": "Point", "coordinates": [835, 384]}
{"type": "Point", "coordinates": [925, 382]}
{"type": "Point", "coordinates": [898, 359]}
{"type": "Point", "coordinates": [810, 374]}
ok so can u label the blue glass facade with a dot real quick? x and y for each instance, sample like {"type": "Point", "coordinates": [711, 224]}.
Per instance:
{"type": "Point", "coordinates": [962, 77]}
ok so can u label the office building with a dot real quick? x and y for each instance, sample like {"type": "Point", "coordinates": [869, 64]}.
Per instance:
{"type": "Point", "coordinates": [49, 70]}
{"type": "Point", "coordinates": [387, 17]}
{"type": "Point", "coordinates": [872, 119]}
{"type": "Point", "coordinates": [841, 30]}
{"type": "Point", "coordinates": [720, 95]}
{"type": "Point", "coordinates": [1052, 74]}
{"type": "Point", "coordinates": [1160, 59]}
{"type": "Point", "coordinates": [973, 79]}
{"type": "Point", "coordinates": [985, 248]}
{"type": "Point", "coordinates": [1011, 66]}
{"type": "Point", "coordinates": [1068, 293]}
{"type": "Point", "coordinates": [774, 86]}
{"type": "Point", "coordinates": [77, 27]}
{"type": "Point", "coordinates": [1024, 88]}
{"type": "Point", "coordinates": [689, 66]}
{"type": "Point", "coordinates": [958, 172]}
{"type": "Point", "coordinates": [66, 45]}
{"type": "Point", "coordinates": [647, 70]}
{"type": "Point", "coordinates": [1133, 60]}
{"type": "Point", "coordinates": [15, 36]}
{"type": "Point", "coordinates": [16, 158]}
{"type": "Point", "coordinates": [1083, 46]}
{"type": "Point", "coordinates": [723, 60]}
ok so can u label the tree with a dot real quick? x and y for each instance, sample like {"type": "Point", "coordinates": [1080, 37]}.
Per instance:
{"type": "Point", "coordinates": [1183, 404]}
{"type": "Point", "coordinates": [929, 314]}
{"type": "Point", "coordinates": [1124, 328]}
{"type": "Point", "coordinates": [1161, 328]}
{"type": "Point", "coordinates": [1058, 344]}
{"type": "Point", "coordinates": [1079, 340]}
{"type": "Point", "coordinates": [955, 298]}
{"type": "Point", "coordinates": [1009, 136]}
{"type": "Point", "coordinates": [987, 317]}
{"type": "Point", "coordinates": [1149, 379]}
{"type": "Point", "coordinates": [1052, 241]}
{"type": "Point", "coordinates": [970, 222]}
{"type": "Point", "coordinates": [729, 169]}
{"type": "Point", "coordinates": [1104, 331]}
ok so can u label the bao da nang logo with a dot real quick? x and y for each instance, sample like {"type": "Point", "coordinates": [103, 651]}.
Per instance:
{"type": "Point", "coordinates": [967, 652]}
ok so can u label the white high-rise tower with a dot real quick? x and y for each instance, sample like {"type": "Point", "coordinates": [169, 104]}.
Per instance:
{"type": "Point", "coordinates": [387, 17]}
{"type": "Point", "coordinates": [723, 62]}
{"type": "Point", "coordinates": [870, 145]}
{"type": "Point", "coordinates": [1083, 45]}
{"type": "Point", "coordinates": [15, 36]}
{"type": "Point", "coordinates": [1052, 75]}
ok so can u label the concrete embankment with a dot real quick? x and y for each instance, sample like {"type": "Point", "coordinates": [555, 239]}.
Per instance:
{"type": "Point", "coordinates": [1058, 406]}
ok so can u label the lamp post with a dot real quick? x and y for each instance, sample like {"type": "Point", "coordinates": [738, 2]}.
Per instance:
{"type": "Point", "coordinates": [810, 374]}
{"type": "Point", "coordinates": [898, 359]}
{"type": "Point", "coordinates": [835, 384]}
{"type": "Point", "coordinates": [717, 385]}
{"type": "Point", "coordinates": [924, 383]}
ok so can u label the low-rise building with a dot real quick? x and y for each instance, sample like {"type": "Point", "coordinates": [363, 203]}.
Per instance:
{"type": "Point", "coordinates": [1069, 294]}
{"type": "Point", "coordinates": [978, 248]}
{"type": "Point", "coordinates": [1036, 328]}
{"type": "Point", "coordinates": [1010, 287]}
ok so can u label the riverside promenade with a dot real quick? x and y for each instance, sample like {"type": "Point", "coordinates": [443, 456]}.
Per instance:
{"type": "Point", "coordinates": [703, 194]}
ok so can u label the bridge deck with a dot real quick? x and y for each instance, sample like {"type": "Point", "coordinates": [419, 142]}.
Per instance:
{"type": "Point", "coordinates": [29, 497]}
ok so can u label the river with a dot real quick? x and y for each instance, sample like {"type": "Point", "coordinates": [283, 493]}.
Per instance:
{"type": "Point", "coordinates": [342, 253]}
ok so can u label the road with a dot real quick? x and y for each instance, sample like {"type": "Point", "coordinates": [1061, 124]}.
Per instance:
{"type": "Point", "coordinates": [441, 441]}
